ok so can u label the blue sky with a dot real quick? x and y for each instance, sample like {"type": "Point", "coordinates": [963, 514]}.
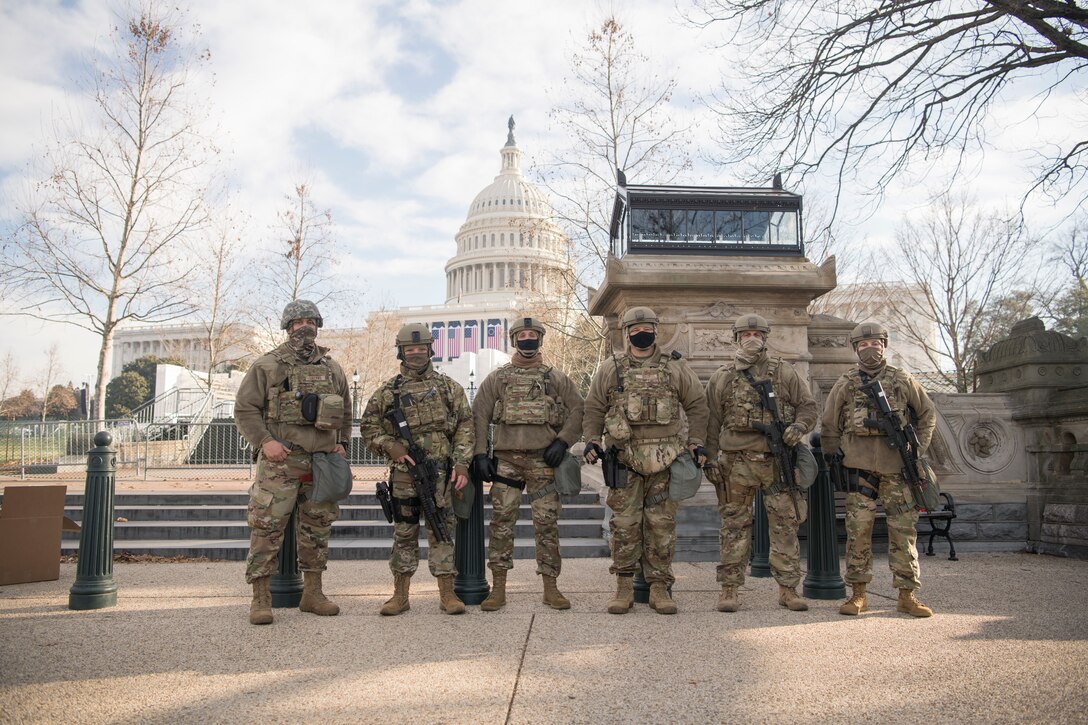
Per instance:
{"type": "Point", "coordinates": [393, 112]}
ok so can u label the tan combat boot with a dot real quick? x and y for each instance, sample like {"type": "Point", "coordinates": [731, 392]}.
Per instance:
{"type": "Point", "coordinates": [260, 609]}
{"type": "Point", "coordinates": [625, 595]}
{"type": "Point", "coordinates": [787, 597]}
{"type": "Point", "coordinates": [660, 600]}
{"type": "Point", "coordinates": [907, 603]}
{"type": "Point", "coordinates": [552, 596]}
{"type": "Point", "coordinates": [313, 599]}
{"type": "Point", "coordinates": [449, 602]}
{"type": "Point", "coordinates": [497, 598]}
{"type": "Point", "coordinates": [727, 600]}
{"type": "Point", "coordinates": [855, 605]}
{"type": "Point", "coordinates": [399, 601]}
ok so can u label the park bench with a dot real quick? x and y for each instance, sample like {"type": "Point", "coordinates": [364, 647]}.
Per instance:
{"type": "Point", "coordinates": [940, 520]}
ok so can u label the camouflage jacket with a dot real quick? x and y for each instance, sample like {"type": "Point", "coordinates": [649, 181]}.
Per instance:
{"type": "Point", "coordinates": [734, 405]}
{"type": "Point", "coordinates": [846, 407]}
{"type": "Point", "coordinates": [261, 384]}
{"type": "Point", "coordinates": [530, 408]}
{"type": "Point", "coordinates": [682, 390]}
{"type": "Point", "coordinates": [437, 412]}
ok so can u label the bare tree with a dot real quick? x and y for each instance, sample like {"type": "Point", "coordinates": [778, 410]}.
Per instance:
{"type": "Point", "coordinates": [369, 351]}
{"type": "Point", "coordinates": [883, 85]}
{"type": "Point", "coordinates": [9, 379]}
{"type": "Point", "coordinates": [301, 260]}
{"type": "Point", "coordinates": [616, 113]}
{"type": "Point", "coordinates": [100, 241]}
{"type": "Point", "coordinates": [49, 375]}
{"type": "Point", "coordinates": [219, 291]}
{"type": "Point", "coordinates": [964, 261]}
{"type": "Point", "coordinates": [1064, 300]}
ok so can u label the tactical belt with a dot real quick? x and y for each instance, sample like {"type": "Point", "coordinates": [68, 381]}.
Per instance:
{"type": "Point", "coordinates": [512, 482]}
{"type": "Point", "coordinates": [550, 488]}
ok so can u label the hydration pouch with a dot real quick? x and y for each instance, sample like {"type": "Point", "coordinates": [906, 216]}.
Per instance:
{"type": "Point", "coordinates": [568, 475]}
{"type": "Point", "coordinates": [684, 477]}
{"type": "Point", "coordinates": [806, 468]}
{"type": "Point", "coordinates": [332, 478]}
{"type": "Point", "coordinates": [615, 473]}
{"type": "Point", "coordinates": [329, 413]}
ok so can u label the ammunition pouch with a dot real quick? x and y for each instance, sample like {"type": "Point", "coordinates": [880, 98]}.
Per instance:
{"type": "Point", "coordinates": [615, 473]}
{"type": "Point", "coordinates": [406, 510]}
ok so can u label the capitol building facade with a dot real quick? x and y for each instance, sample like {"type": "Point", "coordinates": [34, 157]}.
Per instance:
{"type": "Point", "coordinates": [511, 258]}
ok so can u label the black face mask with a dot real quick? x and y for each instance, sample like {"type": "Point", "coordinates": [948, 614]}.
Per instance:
{"type": "Point", "coordinates": [529, 346]}
{"type": "Point", "coordinates": [643, 340]}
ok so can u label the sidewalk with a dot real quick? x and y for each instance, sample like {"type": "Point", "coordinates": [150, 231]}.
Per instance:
{"type": "Point", "coordinates": [1009, 643]}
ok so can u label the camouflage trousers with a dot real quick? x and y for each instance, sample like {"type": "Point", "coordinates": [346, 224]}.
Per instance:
{"type": "Point", "coordinates": [404, 559]}
{"type": "Point", "coordinates": [743, 473]}
{"type": "Point", "coordinates": [902, 536]}
{"type": "Point", "coordinates": [272, 497]}
{"type": "Point", "coordinates": [525, 466]}
{"type": "Point", "coordinates": [643, 535]}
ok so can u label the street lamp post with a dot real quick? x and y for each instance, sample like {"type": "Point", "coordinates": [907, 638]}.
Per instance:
{"type": "Point", "coordinates": [471, 583]}
{"type": "Point", "coordinates": [355, 395]}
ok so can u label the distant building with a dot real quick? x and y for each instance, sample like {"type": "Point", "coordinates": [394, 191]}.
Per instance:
{"type": "Point", "coordinates": [898, 307]}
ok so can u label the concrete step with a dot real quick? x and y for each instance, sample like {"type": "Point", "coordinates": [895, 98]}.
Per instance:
{"type": "Point", "coordinates": [218, 530]}
{"type": "Point", "coordinates": [352, 512]}
{"type": "Point", "coordinates": [361, 548]}
{"type": "Point", "coordinates": [241, 498]}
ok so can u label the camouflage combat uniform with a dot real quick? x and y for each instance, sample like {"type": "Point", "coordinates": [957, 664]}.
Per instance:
{"type": "Point", "coordinates": [531, 406]}
{"type": "Point", "coordinates": [876, 467]}
{"type": "Point", "coordinates": [440, 419]}
{"type": "Point", "coordinates": [745, 465]}
{"type": "Point", "coordinates": [644, 422]}
{"type": "Point", "coordinates": [268, 406]}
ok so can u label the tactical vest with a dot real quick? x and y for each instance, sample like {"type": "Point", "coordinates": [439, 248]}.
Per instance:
{"type": "Point", "coordinates": [896, 389]}
{"type": "Point", "coordinates": [648, 396]}
{"type": "Point", "coordinates": [286, 400]}
{"type": "Point", "coordinates": [527, 398]}
{"type": "Point", "coordinates": [424, 402]}
{"type": "Point", "coordinates": [741, 406]}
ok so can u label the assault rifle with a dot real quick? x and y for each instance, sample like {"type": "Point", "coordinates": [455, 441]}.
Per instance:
{"type": "Point", "coordinates": [424, 473]}
{"type": "Point", "coordinates": [782, 453]}
{"type": "Point", "coordinates": [903, 438]}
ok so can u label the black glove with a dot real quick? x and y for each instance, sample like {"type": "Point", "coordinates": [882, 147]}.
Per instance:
{"type": "Point", "coordinates": [596, 449]}
{"type": "Point", "coordinates": [699, 451]}
{"type": "Point", "coordinates": [483, 467]}
{"type": "Point", "coordinates": [553, 454]}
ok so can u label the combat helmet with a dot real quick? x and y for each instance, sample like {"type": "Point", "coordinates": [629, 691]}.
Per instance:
{"type": "Point", "coordinates": [869, 330]}
{"type": "Point", "coordinates": [526, 323]}
{"type": "Point", "coordinates": [637, 315]}
{"type": "Point", "coordinates": [746, 323]}
{"type": "Point", "coordinates": [300, 310]}
{"type": "Point", "coordinates": [414, 333]}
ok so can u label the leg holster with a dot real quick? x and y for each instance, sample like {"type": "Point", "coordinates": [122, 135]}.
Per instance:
{"type": "Point", "coordinates": [854, 477]}
{"type": "Point", "coordinates": [411, 505]}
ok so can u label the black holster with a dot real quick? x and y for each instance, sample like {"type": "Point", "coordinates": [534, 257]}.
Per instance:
{"type": "Point", "coordinates": [615, 473]}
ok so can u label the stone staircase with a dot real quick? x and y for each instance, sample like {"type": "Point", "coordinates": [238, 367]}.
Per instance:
{"type": "Point", "coordinates": [213, 525]}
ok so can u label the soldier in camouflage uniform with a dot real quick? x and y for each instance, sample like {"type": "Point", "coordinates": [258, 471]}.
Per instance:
{"type": "Point", "coordinates": [874, 468]}
{"type": "Point", "coordinates": [537, 413]}
{"type": "Point", "coordinates": [440, 420]}
{"type": "Point", "coordinates": [290, 405]}
{"type": "Point", "coordinates": [634, 405]}
{"type": "Point", "coordinates": [742, 462]}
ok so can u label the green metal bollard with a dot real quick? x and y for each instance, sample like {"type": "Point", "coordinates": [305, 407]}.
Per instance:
{"type": "Point", "coordinates": [286, 583]}
{"type": "Point", "coordinates": [761, 539]}
{"type": "Point", "coordinates": [468, 552]}
{"type": "Point", "coordinates": [823, 580]}
{"type": "Point", "coordinates": [94, 587]}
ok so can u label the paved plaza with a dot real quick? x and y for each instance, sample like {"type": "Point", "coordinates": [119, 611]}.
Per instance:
{"type": "Point", "coordinates": [1009, 643]}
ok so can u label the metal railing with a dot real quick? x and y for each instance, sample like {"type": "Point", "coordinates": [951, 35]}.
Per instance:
{"type": "Point", "coordinates": [60, 447]}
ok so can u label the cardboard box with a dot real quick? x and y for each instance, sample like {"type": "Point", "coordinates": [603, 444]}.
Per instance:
{"type": "Point", "coordinates": [31, 520]}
